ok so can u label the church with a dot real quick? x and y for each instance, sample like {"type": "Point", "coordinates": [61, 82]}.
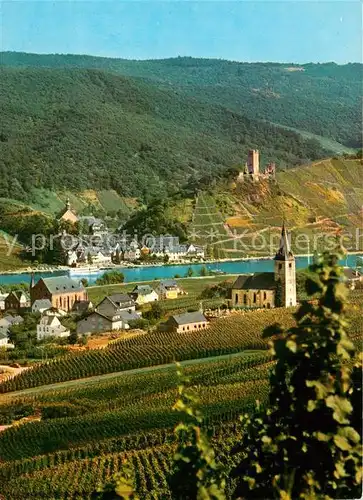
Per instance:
{"type": "Point", "coordinates": [268, 290]}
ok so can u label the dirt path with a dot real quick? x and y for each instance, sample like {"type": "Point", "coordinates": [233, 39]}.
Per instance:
{"type": "Point", "coordinates": [100, 378]}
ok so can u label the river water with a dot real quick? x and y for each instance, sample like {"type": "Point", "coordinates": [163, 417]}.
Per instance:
{"type": "Point", "coordinates": [150, 273]}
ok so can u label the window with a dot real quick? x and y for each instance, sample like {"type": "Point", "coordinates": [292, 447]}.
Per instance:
{"type": "Point", "coordinates": [280, 267]}
{"type": "Point", "coordinates": [264, 296]}
{"type": "Point", "coordinates": [255, 298]}
{"type": "Point", "coordinates": [236, 298]}
{"type": "Point", "coordinates": [290, 265]}
{"type": "Point", "coordinates": [245, 298]}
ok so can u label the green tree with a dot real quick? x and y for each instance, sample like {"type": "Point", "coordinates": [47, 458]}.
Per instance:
{"type": "Point", "coordinates": [84, 282]}
{"type": "Point", "coordinates": [304, 445]}
{"type": "Point", "coordinates": [189, 273]}
{"type": "Point", "coordinates": [73, 337]}
{"type": "Point", "coordinates": [203, 271]}
{"type": "Point", "coordinates": [110, 278]}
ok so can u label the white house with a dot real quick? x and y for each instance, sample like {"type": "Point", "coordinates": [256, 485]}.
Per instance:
{"type": "Point", "coordinates": [4, 341]}
{"type": "Point", "coordinates": [99, 257]}
{"type": "Point", "coordinates": [41, 305]}
{"type": "Point", "coordinates": [2, 301]}
{"type": "Point", "coordinates": [8, 321]}
{"type": "Point", "coordinates": [72, 258]}
{"type": "Point", "coordinates": [142, 294]}
{"type": "Point", "coordinates": [50, 326]}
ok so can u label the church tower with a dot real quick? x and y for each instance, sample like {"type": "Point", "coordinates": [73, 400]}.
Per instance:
{"type": "Point", "coordinates": [285, 271]}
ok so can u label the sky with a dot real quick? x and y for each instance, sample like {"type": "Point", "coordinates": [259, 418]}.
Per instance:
{"type": "Point", "coordinates": [261, 30]}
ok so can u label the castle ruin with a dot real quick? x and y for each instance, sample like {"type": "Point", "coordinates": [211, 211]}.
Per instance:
{"type": "Point", "coordinates": [251, 170]}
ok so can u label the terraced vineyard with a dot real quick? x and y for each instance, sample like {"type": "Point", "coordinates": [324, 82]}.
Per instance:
{"type": "Point", "coordinates": [227, 335]}
{"type": "Point", "coordinates": [238, 332]}
{"type": "Point", "coordinates": [128, 417]}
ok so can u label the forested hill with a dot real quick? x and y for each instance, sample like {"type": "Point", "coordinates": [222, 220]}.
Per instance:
{"type": "Point", "coordinates": [323, 99]}
{"type": "Point", "coordinates": [79, 128]}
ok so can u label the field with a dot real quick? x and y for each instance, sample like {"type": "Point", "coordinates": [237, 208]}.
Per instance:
{"type": "Point", "coordinates": [111, 419]}
{"type": "Point", "coordinates": [126, 414]}
{"type": "Point", "coordinates": [193, 286]}
{"type": "Point", "coordinates": [226, 335]}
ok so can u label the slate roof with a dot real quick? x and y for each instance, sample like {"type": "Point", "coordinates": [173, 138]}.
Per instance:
{"type": "Point", "coordinates": [142, 289]}
{"type": "Point", "coordinates": [168, 283]}
{"type": "Point", "coordinates": [19, 294]}
{"type": "Point", "coordinates": [257, 281]}
{"type": "Point", "coordinates": [120, 298]}
{"type": "Point", "coordinates": [42, 303]}
{"type": "Point", "coordinates": [284, 252]}
{"type": "Point", "coordinates": [81, 306]}
{"type": "Point", "coordinates": [189, 317]}
{"type": "Point", "coordinates": [129, 316]}
{"type": "Point", "coordinates": [62, 284]}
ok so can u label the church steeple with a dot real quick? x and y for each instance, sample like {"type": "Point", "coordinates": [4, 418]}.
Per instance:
{"type": "Point", "coordinates": [32, 281]}
{"type": "Point", "coordinates": [285, 271]}
{"type": "Point", "coordinates": [284, 252]}
{"type": "Point", "coordinates": [68, 204]}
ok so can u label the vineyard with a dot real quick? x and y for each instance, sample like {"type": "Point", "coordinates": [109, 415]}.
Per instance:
{"type": "Point", "coordinates": [238, 332]}
{"type": "Point", "coordinates": [86, 428]}
{"type": "Point", "coordinates": [130, 417]}
{"type": "Point", "coordinates": [150, 455]}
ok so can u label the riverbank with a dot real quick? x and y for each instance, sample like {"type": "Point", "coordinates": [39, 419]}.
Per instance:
{"type": "Point", "coordinates": [140, 273]}
{"type": "Point", "coordinates": [131, 265]}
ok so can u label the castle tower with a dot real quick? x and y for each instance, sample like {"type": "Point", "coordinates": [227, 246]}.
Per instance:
{"type": "Point", "coordinates": [285, 271]}
{"type": "Point", "coordinates": [253, 163]}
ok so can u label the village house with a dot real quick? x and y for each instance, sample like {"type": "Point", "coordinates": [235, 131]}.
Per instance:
{"type": "Point", "coordinates": [17, 300]}
{"type": "Point", "coordinates": [261, 289]}
{"type": "Point", "coordinates": [142, 294]}
{"type": "Point", "coordinates": [41, 305]}
{"type": "Point", "coordinates": [2, 301]}
{"type": "Point", "coordinates": [112, 313]}
{"type": "Point", "coordinates": [161, 246]}
{"type": "Point", "coordinates": [8, 321]}
{"type": "Point", "coordinates": [169, 289]}
{"type": "Point", "coordinates": [186, 322]}
{"type": "Point", "coordinates": [62, 291]}
{"type": "Point", "coordinates": [115, 303]}
{"type": "Point", "coordinates": [96, 322]}
{"type": "Point", "coordinates": [82, 306]}
{"type": "Point", "coordinates": [4, 341]}
{"type": "Point", "coordinates": [93, 225]}
{"type": "Point", "coordinates": [50, 326]}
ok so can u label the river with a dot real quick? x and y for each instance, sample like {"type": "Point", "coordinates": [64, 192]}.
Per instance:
{"type": "Point", "coordinates": [150, 273]}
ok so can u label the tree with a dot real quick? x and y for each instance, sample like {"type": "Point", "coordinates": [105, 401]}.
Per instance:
{"type": "Point", "coordinates": [84, 282]}
{"type": "Point", "coordinates": [83, 340]}
{"type": "Point", "coordinates": [110, 278]}
{"type": "Point", "coordinates": [89, 259]}
{"type": "Point", "coordinates": [189, 273]}
{"type": "Point", "coordinates": [195, 474]}
{"type": "Point", "coordinates": [73, 338]}
{"type": "Point", "coordinates": [204, 271]}
{"type": "Point", "coordinates": [156, 311]}
{"type": "Point", "coordinates": [166, 258]}
{"type": "Point", "coordinates": [303, 445]}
